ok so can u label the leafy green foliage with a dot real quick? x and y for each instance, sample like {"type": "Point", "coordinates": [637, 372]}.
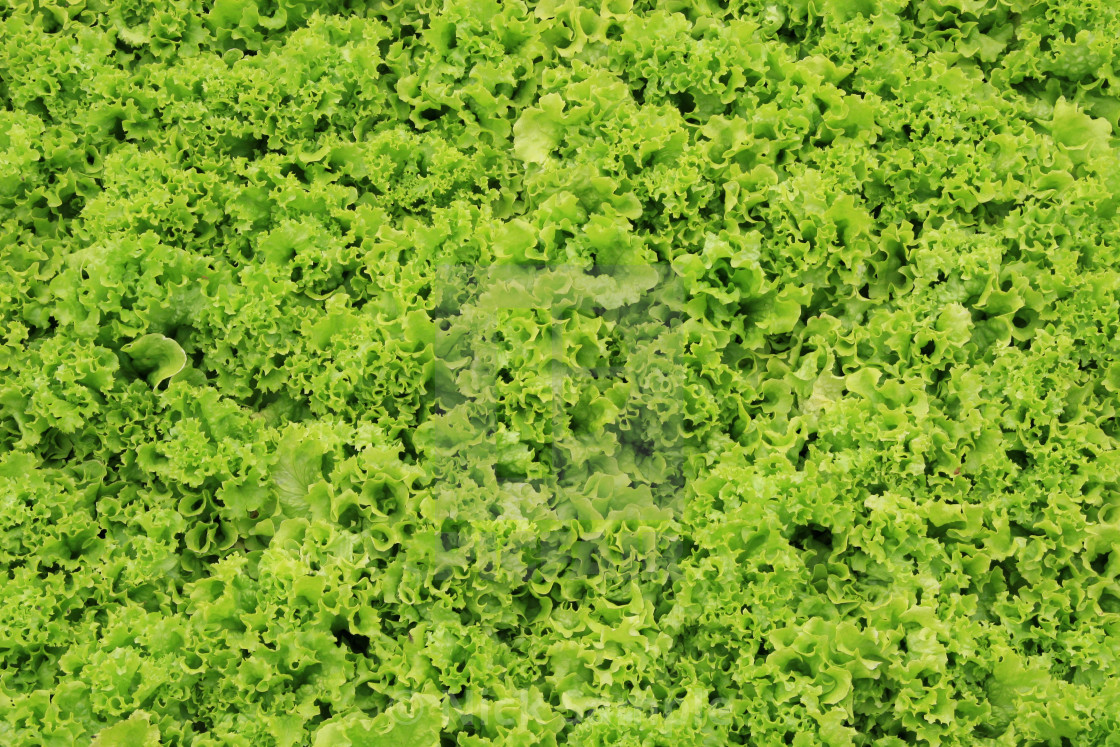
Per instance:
{"type": "Point", "coordinates": [599, 373]}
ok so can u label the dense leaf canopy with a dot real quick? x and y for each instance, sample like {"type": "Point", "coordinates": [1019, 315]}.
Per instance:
{"type": "Point", "coordinates": [594, 372]}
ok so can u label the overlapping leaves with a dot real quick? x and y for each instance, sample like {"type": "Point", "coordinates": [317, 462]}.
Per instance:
{"type": "Point", "coordinates": [618, 373]}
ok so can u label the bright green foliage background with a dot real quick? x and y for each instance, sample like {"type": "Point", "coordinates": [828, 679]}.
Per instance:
{"type": "Point", "coordinates": [593, 372]}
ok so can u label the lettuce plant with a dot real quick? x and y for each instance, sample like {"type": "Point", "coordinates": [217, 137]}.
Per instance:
{"type": "Point", "coordinates": [595, 372]}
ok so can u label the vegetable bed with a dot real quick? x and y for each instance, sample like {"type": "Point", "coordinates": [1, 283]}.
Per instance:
{"type": "Point", "coordinates": [594, 372]}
